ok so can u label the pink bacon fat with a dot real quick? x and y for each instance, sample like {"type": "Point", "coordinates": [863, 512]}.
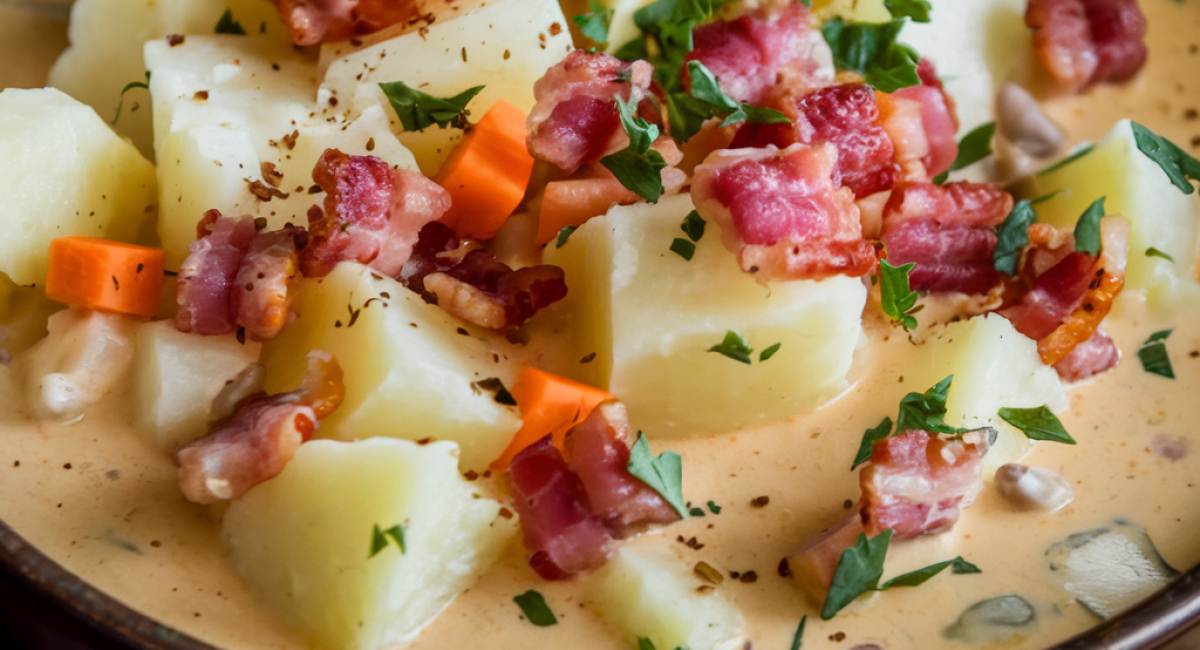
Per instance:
{"type": "Point", "coordinates": [373, 214]}
{"type": "Point", "coordinates": [575, 119]}
{"type": "Point", "coordinates": [1085, 42]}
{"type": "Point", "coordinates": [781, 212]}
{"type": "Point", "coordinates": [261, 437]}
{"type": "Point", "coordinates": [314, 21]}
{"type": "Point", "coordinates": [598, 452]}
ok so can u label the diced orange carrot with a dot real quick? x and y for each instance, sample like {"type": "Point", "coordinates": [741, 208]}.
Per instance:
{"type": "Point", "coordinates": [487, 173]}
{"type": "Point", "coordinates": [572, 202]}
{"type": "Point", "coordinates": [105, 275]}
{"type": "Point", "coordinates": [549, 404]}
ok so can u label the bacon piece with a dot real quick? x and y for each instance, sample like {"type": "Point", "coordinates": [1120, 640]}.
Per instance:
{"type": "Point", "coordinates": [917, 484]}
{"type": "Point", "coordinates": [373, 214]}
{"type": "Point", "coordinates": [207, 275]}
{"type": "Point", "coordinates": [845, 115]}
{"type": "Point", "coordinates": [1053, 296]}
{"type": "Point", "coordinates": [938, 118]}
{"type": "Point", "coordinates": [1085, 42]}
{"type": "Point", "coordinates": [780, 212]}
{"type": "Point", "coordinates": [473, 285]}
{"type": "Point", "coordinates": [598, 452]}
{"type": "Point", "coordinates": [563, 537]}
{"type": "Point", "coordinates": [575, 120]}
{"type": "Point", "coordinates": [261, 293]}
{"type": "Point", "coordinates": [1089, 358]}
{"type": "Point", "coordinates": [751, 55]}
{"type": "Point", "coordinates": [261, 437]}
{"type": "Point", "coordinates": [813, 566]}
{"type": "Point", "coordinates": [314, 21]}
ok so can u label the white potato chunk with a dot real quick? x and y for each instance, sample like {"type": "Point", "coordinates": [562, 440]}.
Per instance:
{"type": "Point", "coordinates": [64, 172]}
{"type": "Point", "coordinates": [643, 593]}
{"type": "Point", "coordinates": [409, 371]}
{"type": "Point", "coordinates": [649, 317]}
{"type": "Point", "coordinates": [176, 376]}
{"type": "Point", "coordinates": [504, 46]}
{"type": "Point", "coordinates": [304, 540]}
{"type": "Point", "coordinates": [1136, 187]}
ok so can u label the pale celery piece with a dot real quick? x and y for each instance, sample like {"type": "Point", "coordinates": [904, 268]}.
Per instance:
{"type": "Point", "coordinates": [1110, 569]}
{"type": "Point", "coordinates": [304, 539]}
{"type": "Point", "coordinates": [1136, 187]}
{"type": "Point", "coordinates": [504, 46]}
{"type": "Point", "coordinates": [651, 316]}
{"type": "Point", "coordinates": [642, 593]}
{"type": "Point", "coordinates": [226, 105]}
{"type": "Point", "coordinates": [85, 356]}
{"type": "Point", "coordinates": [994, 366]}
{"type": "Point", "coordinates": [409, 373]}
{"type": "Point", "coordinates": [176, 376]}
{"type": "Point", "coordinates": [64, 172]}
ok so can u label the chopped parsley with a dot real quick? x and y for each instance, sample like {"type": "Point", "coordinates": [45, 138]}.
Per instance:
{"type": "Point", "coordinates": [495, 386]}
{"type": "Point", "coordinates": [734, 347]}
{"type": "Point", "coordinates": [663, 473]}
{"type": "Point", "coordinates": [918, 10]}
{"type": "Point", "coordinates": [638, 166]}
{"type": "Point", "coordinates": [769, 352]}
{"type": "Point", "coordinates": [925, 411]}
{"type": "Point", "coordinates": [705, 99]}
{"type": "Point", "coordinates": [974, 146]}
{"type": "Point", "coordinates": [535, 609]}
{"type": "Point", "coordinates": [913, 578]}
{"type": "Point", "coordinates": [666, 40]}
{"type": "Point", "coordinates": [870, 437]}
{"type": "Point", "coordinates": [1081, 152]}
{"type": "Point", "coordinates": [594, 24]}
{"type": "Point", "coordinates": [714, 508]}
{"type": "Point", "coordinates": [379, 539]}
{"type": "Point", "coordinates": [145, 85]}
{"type": "Point", "coordinates": [1175, 162]}
{"type": "Point", "coordinates": [693, 227]}
{"type": "Point", "coordinates": [798, 637]}
{"type": "Point", "coordinates": [564, 235]}
{"type": "Point", "coordinates": [227, 25]}
{"type": "Point", "coordinates": [895, 296]}
{"type": "Point", "coordinates": [1037, 424]}
{"type": "Point", "coordinates": [1012, 236]}
{"type": "Point", "coordinates": [871, 49]}
{"type": "Point", "coordinates": [418, 111]}
{"type": "Point", "coordinates": [1154, 252]}
{"type": "Point", "coordinates": [696, 512]}
{"type": "Point", "coordinates": [647, 644]}
{"type": "Point", "coordinates": [683, 248]}
{"type": "Point", "coordinates": [1153, 355]}
{"type": "Point", "coordinates": [1087, 229]}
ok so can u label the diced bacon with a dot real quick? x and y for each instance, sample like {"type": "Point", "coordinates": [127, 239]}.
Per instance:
{"type": "Point", "coordinates": [563, 537]}
{"type": "Point", "coordinates": [1054, 295]}
{"type": "Point", "coordinates": [813, 566]}
{"type": "Point", "coordinates": [1085, 42]}
{"type": "Point", "coordinates": [473, 285]}
{"type": "Point", "coordinates": [751, 55]}
{"type": "Point", "coordinates": [901, 119]}
{"type": "Point", "coordinates": [261, 438]}
{"type": "Point", "coordinates": [780, 212]}
{"type": "Point", "coordinates": [1092, 357]}
{"type": "Point", "coordinates": [953, 204]}
{"type": "Point", "coordinates": [939, 124]}
{"type": "Point", "coordinates": [314, 21]}
{"type": "Point", "coordinates": [261, 293]}
{"type": "Point", "coordinates": [917, 484]}
{"type": "Point", "coordinates": [575, 119]}
{"type": "Point", "coordinates": [598, 452]}
{"type": "Point", "coordinates": [373, 214]}
{"type": "Point", "coordinates": [845, 115]}
{"type": "Point", "coordinates": [207, 276]}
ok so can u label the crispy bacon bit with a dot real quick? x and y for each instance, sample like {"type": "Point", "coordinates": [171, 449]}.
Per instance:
{"type": "Point", "coordinates": [473, 285]}
{"type": "Point", "coordinates": [575, 119]}
{"type": "Point", "coordinates": [1090, 358]}
{"type": "Point", "coordinates": [781, 212]}
{"type": "Point", "coordinates": [751, 55]}
{"type": "Point", "coordinates": [845, 115]}
{"type": "Point", "coordinates": [949, 231]}
{"type": "Point", "coordinates": [1085, 42]}
{"type": "Point", "coordinates": [260, 295]}
{"type": "Point", "coordinates": [563, 537]}
{"type": "Point", "coordinates": [315, 21]}
{"type": "Point", "coordinates": [373, 214]}
{"type": "Point", "coordinates": [813, 566]}
{"type": "Point", "coordinates": [207, 276]}
{"type": "Point", "coordinates": [916, 483]}
{"type": "Point", "coordinates": [1053, 296]}
{"type": "Point", "coordinates": [260, 439]}
{"type": "Point", "coordinates": [938, 118]}
{"type": "Point", "coordinates": [598, 452]}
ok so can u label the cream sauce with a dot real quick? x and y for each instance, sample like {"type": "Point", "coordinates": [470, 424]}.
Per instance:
{"type": "Point", "coordinates": [95, 498]}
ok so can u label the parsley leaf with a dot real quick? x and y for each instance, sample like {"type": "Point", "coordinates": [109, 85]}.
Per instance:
{"type": "Point", "coordinates": [914, 578]}
{"type": "Point", "coordinates": [418, 111]}
{"type": "Point", "coordinates": [870, 437]}
{"type": "Point", "coordinates": [734, 347]}
{"type": "Point", "coordinates": [1087, 229]}
{"type": "Point", "coordinates": [594, 25]}
{"type": "Point", "coordinates": [1175, 162]}
{"type": "Point", "coordinates": [1083, 151]}
{"type": "Point", "coordinates": [535, 609]}
{"type": "Point", "coordinates": [397, 533]}
{"type": "Point", "coordinates": [858, 571]}
{"type": "Point", "coordinates": [871, 50]}
{"type": "Point", "coordinates": [666, 40]}
{"type": "Point", "coordinates": [714, 508]}
{"type": "Point", "coordinates": [756, 115]}
{"type": "Point", "coordinates": [647, 644]}
{"type": "Point", "coordinates": [227, 25]}
{"type": "Point", "coordinates": [688, 111]}
{"type": "Point", "coordinates": [683, 248]}
{"type": "Point", "coordinates": [769, 352]}
{"type": "Point", "coordinates": [798, 637]}
{"type": "Point", "coordinates": [925, 411]}
{"type": "Point", "coordinates": [638, 166]}
{"type": "Point", "coordinates": [1153, 355]}
{"type": "Point", "coordinates": [563, 235]}
{"type": "Point", "coordinates": [664, 473]}
{"type": "Point", "coordinates": [974, 146]}
{"type": "Point", "coordinates": [128, 87]}
{"type": "Point", "coordinates": [1037, 424]}
{"type": "Point", "coordinates": [495, 386]}
{"type": "Point", "coordinates": [1154, 252]}
{"type": "Point", "coordinates": [695, 512]}
{"type": "Point", "coordinates": [918, 10]}
{"type": "Point", "coordinates": [1012, 236]}
{"type": "Point", "coordinates": [897, 300]}
{"type": "Point", "coordinates": [378, 542]}
{"type": "Point", "coordinates": [693, 226]}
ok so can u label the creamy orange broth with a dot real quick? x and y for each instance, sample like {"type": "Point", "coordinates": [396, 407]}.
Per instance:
{"type": "Point", "coordinates": [105, 505]}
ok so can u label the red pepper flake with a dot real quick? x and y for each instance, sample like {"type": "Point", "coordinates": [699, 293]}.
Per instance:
{"type": "Point", "coordinates": [555, 29]}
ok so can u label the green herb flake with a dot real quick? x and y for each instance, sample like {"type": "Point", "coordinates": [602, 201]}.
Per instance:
{"type": "Point", "coordinates": [895, 296]}
{"type": "Point", "coordinates": [1153, 355]}
{"type": "Point", "coordinates": [594, 24]}
{"type": "Point", "coordinates": [858, 571]}
{"type": "Point", "coordinates": [663, 473]}
{"type": "Point", "coordinates": [397, 533]}
{"type": "Point", "coordinates": [693, 226]}
{"type": "Point", "coordinates": [696, 512]}
{"type": "Point", "coordinates": [1087, 229]}
{"type": "Point", "coordinates": [666, 39]}
{"type": "Point", "coordinates": [1154, 252]}
{"type": "Point", "coordinates": [1037, 424]}
{"type": "Point", "coordinates": [637, 167]}
{"type": "Point", "coordinates": [714, 508]}
{"type": "Point", "coordinates": [769, 352]}
{"type": "Point", "coordinates": [974, 146]}
{"type": "Point", "coordinates": [564, 235]}
{"type": "Point", "coordinates": [870, 437]}
{"type": "Point", "coordinates": [1081, 152]}
{"type": "Point", "coordinates": [734, 347]}
{"type": "Point", "coordinates": [918, 10]}
{"type": "Point", "coordinates": [1175, 162]}
{"type": "Point", "coordinates": [705, 99]}
{"type": "Point", "coordinates": [683, 248]}
{"type": "Point", "coordinates": [871, 49]}
{"type": "Point", "coordinates": [925, 411]}
{"type": "Point", "coordinates": [227, 25]}
{"type": "Point", "coordinates": [1012, 236]}
{"type": "Point", "coordinates": [418, 111]}
{"type": "Point", "coordinates": [145, 85]}
{"type": "Point", "coordinates": [535, 609]}
{"type": "Point", "coordinates": [495, 386]}
{"type": "Point", "coordinates": [798, 637]}
{"type": "Point", "coordinates": [379, 541]}
{"type": "Point", "coordinates": [914, 578]}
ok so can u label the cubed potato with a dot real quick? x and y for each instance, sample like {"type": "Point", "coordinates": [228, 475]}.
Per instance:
{"type": "Point", "coordinates": [304, 539]}
{"type": "Point", "coordinates": [649, 317]}
{"type": "Point", "coordinates": [64, 172]}
{"type": "Point", "coordinates": [645, 593]}
{"type": "Point", "coordinates": [1134, 186]}
{"type": "Point", "coordinates": [106, 50]}
{"type": "Point", "coordinates": [24, 312]}
{"type": "Point", "coordinates": [504, 46]}
{"type": "Point", "coordinates": [409, 371]}
{"type": "Point", "coordinates": [177, 375]}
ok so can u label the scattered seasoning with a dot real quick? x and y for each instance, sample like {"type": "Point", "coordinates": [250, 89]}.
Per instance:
{"type": "Point", "coordinates": [471, 475]}
{"type": "Point", "coordinates": [66, 465]}
{"type": "Point", "coordinates": [588, 358]}
{"type": "Point", "coordinates": [707, 573]}
{"type": "Point", "coordinates": [200, 96]}
{"type": "Point", "coordinates": [837, 637]}
{"type": "Point", "coordinates": [535, 609]}
{"type": "Point", "coordinates": [784, 570]}
{"type": "Point", "coordinates": [264, 192]}
{"type": "Point", "coordinates": [749, 577]}
{"type": "Point", "coordinates": [759, 502]}
{"type": "Point", "coordinates": [175, 39]}
{"type": "Point", "coordinates": [495, 386]}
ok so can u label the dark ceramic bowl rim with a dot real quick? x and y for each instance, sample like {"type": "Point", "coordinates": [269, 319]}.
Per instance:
{"type": "Point", "coordinates": [1152, 624]}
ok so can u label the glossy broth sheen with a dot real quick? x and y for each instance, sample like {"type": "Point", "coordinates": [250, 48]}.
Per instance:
{"type": "Point", "coordinates": [99, 501]}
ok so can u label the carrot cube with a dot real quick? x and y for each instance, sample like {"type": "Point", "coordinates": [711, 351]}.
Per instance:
{"type": "Point", "coordinates": [549, 405]}
{"type": "Point", "coordinates": [105, 275]}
